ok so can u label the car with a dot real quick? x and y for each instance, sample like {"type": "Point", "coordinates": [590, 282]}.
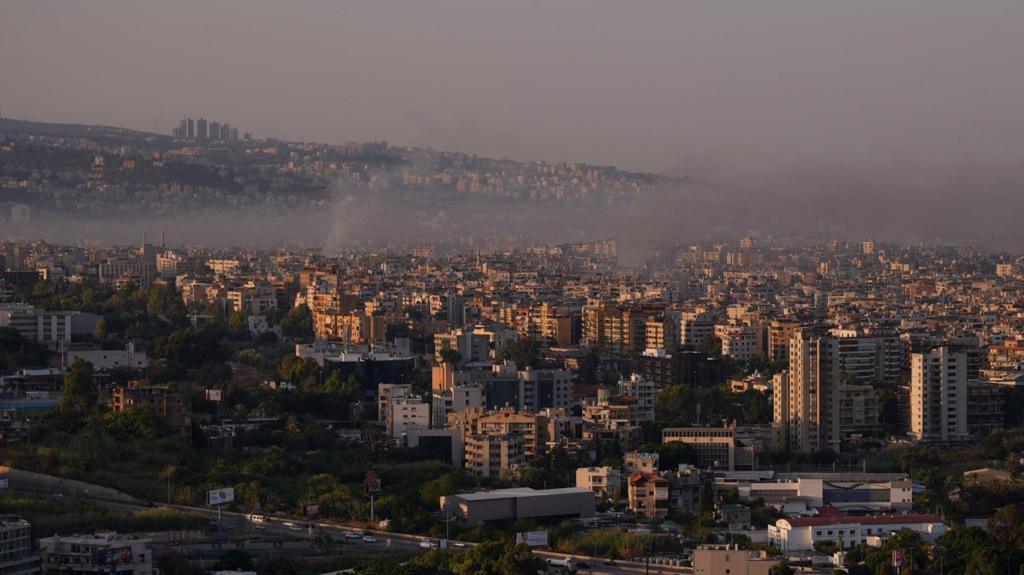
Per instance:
{"type": "Point", "coordinates": [428, 544]}
{"type": "Point", "coordinates": [260, 527]}
{"type": "Point", "coordinates": [369, 539]}
{"type": "Point", "coordinates": [459, 543]}
{"type": "Point", "coordinates": [609, 562]}
{"type": "Point", "coordinates": [352, 535]}
{"type": "Point", "coordinates": [294, 528]}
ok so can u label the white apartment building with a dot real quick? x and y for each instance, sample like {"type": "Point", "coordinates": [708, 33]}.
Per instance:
{"type": "Point", "coordinates": [740, 342]}
{"type": "Point", "coordinates": [644, 392]}
{"type": "Point", "coordinates": [938, 395]}
{"type": "Point", "coordinates": [605, 482]}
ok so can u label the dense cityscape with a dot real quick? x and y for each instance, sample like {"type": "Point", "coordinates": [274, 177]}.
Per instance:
{"type": "Point", "coordinates": [511, 288]}
{"type": "Point", "coordinates": [98, 170]}
{"type": "Point", "coordinates": [818, 406]}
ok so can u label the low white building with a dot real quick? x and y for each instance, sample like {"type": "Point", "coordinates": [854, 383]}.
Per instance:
{"type": "Point", "coordinates": [801, 533]}
{"type": "Point", "coordinates": [104, 359]}
{"type": "Point", "coordinates": [406, 413]}
{"type": "Point", "coordinates": [113, 553]}
{"type": "Point", "coordinates": [801, 493]}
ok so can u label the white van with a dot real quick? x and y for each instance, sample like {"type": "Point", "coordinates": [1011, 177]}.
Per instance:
{"type": "Point", "coordinates": [256, 518]}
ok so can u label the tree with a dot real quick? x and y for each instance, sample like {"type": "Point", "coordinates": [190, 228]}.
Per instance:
{"type": "Point", "coordinates": [672, 405]}
{"type": "Point", "coordinates": [347, 388]}
{"type": "Point", "coordinates": [1007, 526]}
{"type": "Point", "coordinates": [298, 323]}
{"type": "Point", "coordinates": [671, 454]}
{"type": "Point", "coordinates": [282, 565]}
{"type": "Point", "coordinates": [190, 348]}
{"type": "Point", "coordinates": [80, 392]}
{"type": "Point", "coordinates": [961, 542]}
{"type": "Point", "coordinates": [298, 370]}
{"type": "Point", "coordinates": [711, 347]}
{"type": "Point", "coordinates": [980, 563]}
{"type": "Point", "coordinates": [451, 356]}
{"type": "Point", "coordinates": [234, 560]}
{"type": "Point", "coordinates": [889, 410]}
{"type": "Point", "coordinates": [781, 568]}
{"type": "Point", "coordinates": [884, 568]}
{"type": "Point", "coordinates": [524, 352]}
{"type": "Point", "coordinates": [17, 352]}
{"type": "Point", "coordinates": [164, 301]}
{"type": "Point", "coordinates": [140, 421]}
{"type": "Point", "coordinates": [174, 563]}
{"type": "Point", "coordinates": [518, 560]}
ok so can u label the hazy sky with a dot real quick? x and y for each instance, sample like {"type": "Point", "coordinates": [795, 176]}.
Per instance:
{"type": "Point", "coordinates": [714, 88]}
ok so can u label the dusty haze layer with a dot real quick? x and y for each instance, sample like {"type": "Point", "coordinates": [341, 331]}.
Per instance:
{"type": "Point", "coordinates": [899, 118]}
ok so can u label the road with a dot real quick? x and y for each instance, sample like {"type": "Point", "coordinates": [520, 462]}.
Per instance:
{"type": "Point", "coordinates": [382, 540]}
{"type": "Point", "coordinates": [385, 540]}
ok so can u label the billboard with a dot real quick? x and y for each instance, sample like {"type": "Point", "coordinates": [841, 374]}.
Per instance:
{"type": "Point", "coordinates": [898, 556]}
{"type": "Point", "coordinates": [220, 496]}
{"type": "Point", "coordinates": [532, 538]}
{"type": "Point", "coordinates": [215, 395]}
{"type": "Point", "coordinates": [372, 483]}
{"type": "Point", "coordinates": [112, 556]}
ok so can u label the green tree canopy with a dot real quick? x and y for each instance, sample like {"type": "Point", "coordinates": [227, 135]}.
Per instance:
{"type": "Point", "coordinates": [80, 393]}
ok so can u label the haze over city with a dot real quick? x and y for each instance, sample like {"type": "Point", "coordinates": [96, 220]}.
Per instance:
{"type": "Point", "coordinates": [807, 105]}
{"type": "Point", "coordinates": [467, 287]}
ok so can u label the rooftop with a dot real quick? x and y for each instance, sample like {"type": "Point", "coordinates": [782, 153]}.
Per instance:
{"type": "Point", "coordinates": [521, 492]}
{"type": "Point", "coordinates": [865, 520]}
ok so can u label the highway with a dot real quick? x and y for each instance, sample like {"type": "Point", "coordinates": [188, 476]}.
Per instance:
{"type": "Point", "coordinates": [342, 534]}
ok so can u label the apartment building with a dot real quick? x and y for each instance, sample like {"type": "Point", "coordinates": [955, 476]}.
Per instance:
{"type": "Point", "coordinates": [605, 482]}
{"type": "Point", "coordinates": [640, 462]}
{"type": "Point", "coordinates": [740, 342]}
{"type": "Point", "coordinates": [938, 395]}
{"type": "Point", "coordinates": [406, 413]}
{"type": "Point", "coordinates": [494, 455]}
{"type": "Point", "coordinates": [869, 358]}
{"type": "Point", "coordinates": [780, 330]}
{"type": "Point", "coordinates": [947, 402]}
{"type": "Point", "coordinates": [696, 329]}
{"type": "Point", "coordinates": [715, 447]}
{"type": "Point", "coordinates": [16, 555]}
{"type": "Point", "coordinates": [174, 408]}
{"type": "Point", "coordinates": [644, 392]}
{"type": "Point", "coordinates": [822, 409]}
{"type": "Point", "coordinates": [648, 494]}
{"type": "Point", "coordinates": [387, 391]}
{"type": "Point", "coordinates": [36, 324]}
